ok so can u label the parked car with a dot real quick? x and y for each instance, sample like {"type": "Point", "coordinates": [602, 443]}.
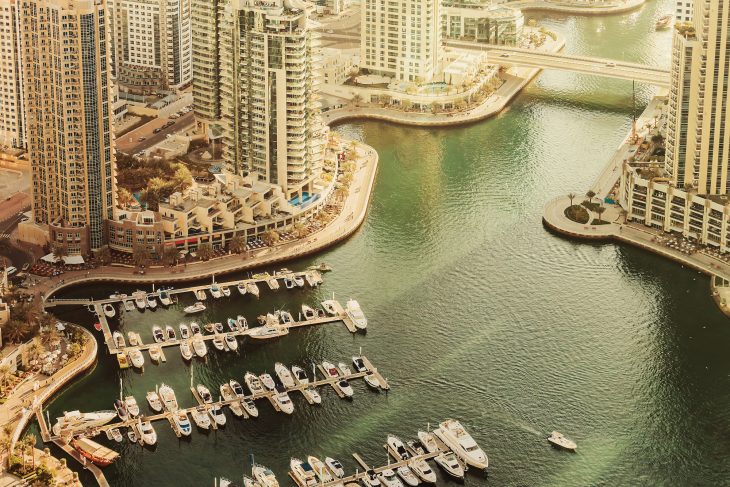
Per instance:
{"type": "Point", "coordinates": [157, 130]}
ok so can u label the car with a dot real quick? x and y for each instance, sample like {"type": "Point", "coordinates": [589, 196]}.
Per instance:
{"type": "Point", "coordinates": [141, 139]}
{"type": "Point", "coordinates": [611, 64]}
{"type": "Point", "coordinates": [11, 270]}
{"type": "Point", "coordinates": [157, 130]}
{"type": "Point", "coordinates": [504, 54]}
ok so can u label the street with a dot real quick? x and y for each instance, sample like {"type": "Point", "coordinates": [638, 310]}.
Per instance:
{"type": "Point", "coordinates": [129, 143]}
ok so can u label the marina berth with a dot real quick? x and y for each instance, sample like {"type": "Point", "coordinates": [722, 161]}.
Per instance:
{"type": "Point", "coordinates": [184, 331]}
{"type": "Point", "coordinates": [195, 328]}
{"type": "Point", "coordinates": [136, 357]}
{"type": "Point", "coordinates": [226, 291]}
{"type": "Point", "coordinates": [199, 346]}
{"type": "Point", "coordinates": [215, 291]}
{"type": "Point", "coordinates": [231, 342]}
{"type": "Point", "coordinates": [122, 360]}
{"type": "Point", "coordinates": [119, 339]}
{"type": "Point", "coordinates": [311, 395]}
{"type": "Point", "coordinates": [267, 331]}
{"type": "Point", "coordinates": [428, 441]}
{"type": "Point", "coordinates": [252, 288]}
{"type": "Point", "coordinates": [371, 479]}
{"type": "Point", "coordinates": [140, 300]}
{"type": "Point", "coordinates": [128, 305]}
{"type": "Point", "coordinates": [455, 436]}
{"type": "Point", "coordinates": [389, 479]}
{"type": "Point", "coordinates": [372, 381]}
{"type": "Point", "coordinates": [217, 415]}
{"type": "Point", "coordinates": [232, 324]}
{"type": "Point", "coordinates": [273, 283]}
{"type": "Point", "coordinates": [155, 353]}
{"type": "Point", "coordinates": [300, 376]}
{"type": "Point", "coordinates": [200, 295]}
{"type": "Point", "coordinates": [320, 469]}
{"type": "Point", "coordinates": [78, 421]}
{"type": "Point", "coordinates": [335, 467]}
{"type": "Point", "coordinates": [165, 298]}
{"type": "Point", "coordinates": [132, 407]}
{"type": "Point", "coordinates": [157, 334]}
{"type": "Point", "coordinates": [186, 350]}
{"type": "Point", "coordinates": [422, 470]}
{"type": "Point", "coordinates": [219, 343]}
{"type": "Point", "coordinates": [167, 396]}
{"type": "Point", "coordinates": [283, 401]}
{"type": "Point", "coordinates": [204, 394]}
{"type": "Point", "coordinates": [242, 323]}
{"type": "Point", "coordinates": [170, 333]}
{"type": "Point", "coordinates": [308, 312]}
{"type": "Point", "coordinates": [182, 422]}
{"type": "Point", "coordinates": [298, 280]}
{"type": "Point", "coordinates": [267, 381]}
{"type": "Point", "coordinates": [114, 435]}
{"type": "Point", "coordinates": [344, 369]}
{"type": "Point", "coordinates": [250, 407]}
{"type": "Point", "coordinates": [346, 388]}
{"type": "Point", "coordinates": [407, 476]}
{"type": "Point", "coordinates": [201, 418]}
{"type": "Point", "coordinates": [356, 315]}
{"type": "Point", "coordinates": [249, 482]}
{"type": "Point", "coordinates": [253, 383]}
{"type": "Point", "coordinates": [109, 310]}
{"type": "Point", "coordinates": [397, 448]}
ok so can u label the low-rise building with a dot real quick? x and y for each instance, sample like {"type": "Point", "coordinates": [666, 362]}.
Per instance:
{"type": "Point", "coordinates": [481, 21]}
{"type": "Point", "coordinates": [338, 64]}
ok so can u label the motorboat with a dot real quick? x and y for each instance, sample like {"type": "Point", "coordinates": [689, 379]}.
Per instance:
{"type": "Point", "coordinates": [329, 369]}
{"type": "Point", "coordinates": [407, 476]}
{"type": "Point", "coordinates": [219, 343]}
{"type": "Point", "coordinates": [114, 434]}
{"type": "Point", "coordinates": [285, 377]}
{"type": "Point", "coordinates": [151, 301]}
{"type": "Point", "coordinates": [232, 324]}
{"type": "Point", "coordinates": [320, 469]}
{"type": "Point", "coordinates": [359, 364]}
{"type": "Point", "coordinates": [200, 417]}
{"type": "Point", "coordinates": [250, 407]}
{"type": "Point", "coordinates": [218, 327]}
{"type": "Point", "coordinates": [186, 350]}
{"type": "Point", "coordinates": [298, 280]}
{"type": "Point", "coordinates": [389, 479]}
{"type": "Point", "coordinates": [136, 357]}
{"type": "Point", "coordinates": [231, 342]}
{"type": "Point", "coordinates": [371, 479]}
{"type": "Point", "coordinates": [148, 433]}
{"type": "Point", "coordinates": [236, 387]}
{"type": "Point", "coordinates": [249, 482]}
{"type": "Point", "coordinates": [139, 300]}
{"type": "Point", "coordinates": [165, 298]}
{"type": "Point", "coordinates": [329, 307]}
{"type": "Point", "coordinates": [157, 334]}
{"type": "Point", "coordinates": [346, 388]}
{"type": "Point", "coordinates": [344, 369]}
{"type": "Point", "coordinates": [194, 308]}
{"type": "Point", "coordinates": [558, 440]}
{"type": "Point", "coordinates": [267, 381]}
{"type": "Point", "coordinates": [450, 464]}
{"type": "Point", "coordinates": [128, 305]}
{"type": "Point", "coordinates": [267, 331]}
{"type": "Point", "coordinates": [204, 394]}
{"type": "Point", "coordinates": [286, 317]}
{"type": "Point", "coordinates": [167, 396]}
{"type": "Point", "coordinates": [226, 291]}
{"type": "Point", "coordinates": [209, 327]}
{"type": "Point", "coordinates": [132, 407]}
{"type": "Point", "coordinates": [663, 22]}
{"type": "Point", "coordinates": [195, 328]}
{"type": "Point", "coordinates": [121, 410]}
{"type": "Point", "coordinates": [354, 312]}
{"type": "Point", "coordinates": [428, 441]}
{"type": "Point", "coordinates": [170, 333]}
{"type": "Point", "coordinates": [76, 420]}
{"type": "Point", "coordinates": [133, 339]}
{"type": "Point", "coordinates": [122, 360]}
{"type": "Point", "coordinates": [132, 435]}
{"type": "Point", "coordinates": [311, 280]}
{"type": "Point", "coordinates": [300, 376]}
{"type": "Point", "coordinates": [252, 288]}
{"type": "Point", "coordinates": [372, 381]}
{"type": "Point", "coordinates": [217, 415]}
{"type": "Point", "coordinates": [200, 295]}
{"type": "Point", "coordinates": [109, 310]}
{"type": "Point", "coordinates": [321, 313]}
{"type": "Point", "coordinates": [312, 395]}
{"type": "Point", "coordinates": [241, 323]}
{"type": "Point", "coordinates": [199, 346]}
{"type": "Point", "coordinates": [289, 282]}
{"type": "Point", "coordinates": [283, 400]}
{"type": "Point", "coordinates": [98, 454]}
{"type": "Point", "coordinates": [253, 383]}
{"type": "Point", "coordinates": [322, 267]}
{"type": "Point", "coordinates": [215, 291]}
{"type": "Point", "coordinates": [119, 339]}
{"type": "Point", "coordinates": [454, 435]}
{"type": "Point", "coordinates": [153, 399]}
{"type": "Point", "coordinates": [303, 473]}
{"type": "Point", "coordinates": [227, 391]}
{"type": "Point", "coordinates": [416, 447]}
{"type": "Point", "coordinates": [335, 467]}
{"type": "Point", "coordinates": [273, 283]}
{"type": "Point", "coordinates": [155, 353]}
{"type": "Point", "coordinates": [183, 422]}
{"type": "Point", "coordinates": [308, 312]}
{"type": "Point", "coordinates": [241, 288]}
{"type": "Point", "coordinates": [184, 331]}
{"type": "Point", "coordinates": [397, 448]}
{"type": "Point", "coordinates": [264, 476]}
{"type": "Point", "coordinates": [422, 470]}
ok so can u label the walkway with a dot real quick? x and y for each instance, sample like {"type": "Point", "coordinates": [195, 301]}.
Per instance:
{"type": "Point", "coordinates": [577, 7]}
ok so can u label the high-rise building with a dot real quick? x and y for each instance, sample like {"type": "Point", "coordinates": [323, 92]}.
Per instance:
{"type": "Point", "coordinates": [206, 15]}
{"type": "Point", "coordinates": [401, 38]}
{"type": "Point", "coordinates": [269, 73]}
{"type": "Point", "coordinates": [698, 144]}
{"type": "Point", "coordinates": [11, 79]}
{"type": "Point", "coordinates": [68, 94]}
{"type": "Point", "coordinates": [152, 44]}
{"type": "Point", "coordinates": [684, 11]}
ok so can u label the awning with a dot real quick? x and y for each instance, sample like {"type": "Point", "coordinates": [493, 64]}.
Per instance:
{"type": "Point", "coordinates": [73, 259]}
{"type": "Point", "coordinates": [49, 258]}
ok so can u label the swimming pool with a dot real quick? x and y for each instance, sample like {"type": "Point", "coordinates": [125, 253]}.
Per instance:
{"type": "Point", "coordinates": [305, 199]}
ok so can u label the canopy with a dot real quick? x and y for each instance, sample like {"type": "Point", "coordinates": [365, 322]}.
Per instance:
{"type": "Point", "coordinates": [73, 259]}
{"type": "Point", "coordinates": [50, 258]}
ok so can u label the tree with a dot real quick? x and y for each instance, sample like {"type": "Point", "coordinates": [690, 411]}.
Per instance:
{"type": "Point", "coordinates": [357, 99]}
{"type": "Point", "coordinates": [35, 349]}
{"type": "Point", "coordinates": [50, 335]}
{"type": "Point", "coordinates": [571, 196]}
{"type": "Point", "coordinates": [600, 211]}
{"type": "Point", "coordinates": [124, 198]}
{"type": "Point", "coordinates": [435, 107]}
{"type": "Point", "coordinates": [14, 331]}
{"type": "Point", "coordinates": [170, 255]}
{"type": "Point", "coordinates": [141, 256]}
{"type": "Point", "coordinates": [59, 251]}
{"type": "Point", "coordinates": [591, 194]}
{"type": "Point", "coordinates": [74, 349]}
{"type": "Point", "coordinates": [205, 251]}
{"type": "Point", "coordinates": [30, 440]}
{"type": "Point", "coordinates": [237, 244]}
{"type": "Point", "coordinates": [270, 237]}
{"type": "Point", "coordinates": [104, 255]}
{"type": "Point", "coordinates": [4, 375]}
{"type": "Point", "coordinates": [299, 230]}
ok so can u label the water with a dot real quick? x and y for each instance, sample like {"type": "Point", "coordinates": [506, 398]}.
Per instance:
{"type": "Point", "coordinates": [476, 312]}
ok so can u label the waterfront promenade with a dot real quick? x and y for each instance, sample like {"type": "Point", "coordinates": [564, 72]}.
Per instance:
{"type": "Point", "coordinates": [577, 7]}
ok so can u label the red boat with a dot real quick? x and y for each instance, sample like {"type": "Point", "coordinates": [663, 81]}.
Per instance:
{"type": "Point", "coordinates": [100, 455]}
{"type": "Point", "coordinates": [97, 326]}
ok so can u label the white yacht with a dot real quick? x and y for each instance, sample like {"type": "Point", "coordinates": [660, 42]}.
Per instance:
{"type": "Point", "coordinates": [264, 476]}
{"type": "Point", "coordinates": [450, 464]}
{"type": "Point", "coordinates": [165, 298]}
{"type": "Point", "coordinates": [217, 415]}
{"type": "Point", "coordinates": [298, 280]}
{"type": "Point", "coordinates": [194, 308]}
{"type": "Point", "coordinates": [249, 482]}
{"type": "Point", "coordinates": [195, 328]}
{"type": "Point", "coordinates": [167, 396]}
{"type": "Point", "coordinates": [242, 323]}
{"type": "Point", "coordinates": [335, 467]}
{"type": "Point", "coordinates": [372, 381]}
{"type": "Point", "coordinates": [76, 420]}
{"type": "Point", "coordinates": [289, 282]}
{"type": "Point", "coordinates": [226, 291]}
{"type": "Point", "coordinates": [267, 331]}
{"type": "Point", "coordinates": [133, 339]}
{"type": "Point", "coordinates": [204, 394]}
{"type": "Point", "coordinates": [230, 395]}
{"type": "Point", "coordinates": [267, 381]}
{"type": "Point", "coordinates": [285, 377]}
{"type": "Point", "coordinates": [344, 369]}
{"type": "Point", "coordinates": [252, 288]}
{"type": "Point", "coordinates": [250, 407]}
{"type": "Point", "coordinates": [132, 407]}
{"type": "Point", "coordinates": [185, 350]}
{"type": "Point", "coordinates": [558, 440]}
{"type": "Point", "coordinates": [232, 324]}
{"type": "Point", "coordinates": [312, 395]}
{"type": "Point", "coordinates": [114, 434]}
{"type": "Point", "coordinates": [359, 364]}
{"type": "Point", "coordinates": [285, 317]}
{"type": "Point", "coordinates": [219, 343]}
{"type": "Point", "coordinates": [329, 307]}
{"type": "Point", "coordinates": [128, 305]}
{"type": "Point", "coordinates": [200, 417]}
{"type": "Point", "coordinates": [284, 402]}
{"type": "Point", "coordinates": [311, 280]}
{"type": "Point", "coordinates": [407, 476]}
{"type": "Point", "coordinates": [200, 295]}
{"type": "Point", "coordinates": [158, 334]}
{"type": "Point", "coordinates": [303, 473]}
{"type": "Point", "coordinates": [155, 353]}
{"type": "Point", "coordinates": [308, 312]}
{"type": "Point", "coordinates": [422, 470]}
{"type": "Point", "coordinates": [320, 469]}
{"type": "Point", "coordinates": [170, 333]}
{"type": "Point", "coordinates": [139, 300]}
{"type": "Point", "coordinates": [356, 315]}
{"type": "Point", "coordinates": [151, 301]}
{"type": "Point", "coordinates": [119, 339]}
{"type": "Point", "coordinates": [346, 388]}
{"type": "Point", "coordinates": [241, 286]}
{"type": "Point", "coordinates": [136, 357]}
{"type": "Point", "coordinates": [184, 331]}
{"type": "Point", "coordinates": [253, 383]}
{"type": "Point", "coordinates": [109, 310]}
{"type": "Point", "coordinates": [453, 434]}
{"type": "Point", "coordinates": [371, 479]}
{"type": "Point", "coordinates": [199, 345]}
{"type": "Point", "coordinates": [237, 388]}
{"type": "Point", "coordinates": [149, 435]}
{"type": "Point", "coordinates": [183, 422]}
{"type": "Point", "coordinates": [329, 369]}
{"type": "Point", "coordinates": [300, 376]}
{"type": "Point", "coordinates": [389, 479]}
{"type": "Point", "coordinates": [153, 399]}
{"type": "Point", "coordinates": [397, 448]}
{"type": "Point", "coordinates": [215, 291]}
{"type": "Point", "coordinates": [231, 342]}
{"type": "Point", "coordinates": [273, 283]}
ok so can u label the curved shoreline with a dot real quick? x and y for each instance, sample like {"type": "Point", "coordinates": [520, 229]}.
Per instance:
{"type": "Point", "coordinates": [537, 6]}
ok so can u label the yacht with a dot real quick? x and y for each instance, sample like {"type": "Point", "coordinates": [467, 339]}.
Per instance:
{"type": "Point", "coordinates": [155, 353]}
{"type": "Point", "coordinates": [204, 394]}
{"type": "Point", "coordinates": [253, 383]}
{"type": "Point", "coordinates": [320, 469]}
{"type": "Point", "coordinates": [217, 415]}
{"type": "Point", "coordinates": [200, 295]}
{"type": "Point", "coordinates": [344, 369]}
{"type": "Point", "coordinates": [194, 308]}
{"type": "Point", "coordinates": [453, 434]}
{"type": "Point", "coordinates": [76, 420]}
{"type": "Point", "coordinates": [231, 342]}
{"type": "Point", "coordinates": [136, 357]}
{"type": "Point", "coordinates": [323, 267]}
{"type": "Point", "coordinates": [416, 447]}
{"type": "Point", "coordinates": [371, 479]}
{"type": "Point", "coordinates": [170, 333]}
{"type": "Point", "coordinates": [226, 291]}
{"type": "Point", "coordinates": [119, 339]}
{"type": "Point", "coordinates": [285, 377]}
{"type": "Point", "coordinates": [329, 369]}
{"type": "Point", "coordinates": [250, 407]}
{"type": "Point", "coordinates": [428, 441]}
{"type": "Point", "coordinates": [264, 476]}
{"type": "Point", "coordinates": [359, 364]}
{"type": "Point", "coordinates": [329, 307]}
{"type": "Point", "coordinates": [133, 339]}
{"type": "Point", "coordinates": [109, 310]}
{"type": "Point", "coordinates": [356, 315]}
{"type": "Point", "coordinates": [121, 410]}
{"type": "Point", "coordinates": [372, 381]}
{"type": "Point", "coordinates": [183, 423]}
{"type": "Point", "coordinates": [346, 388]}
{"type": "Point", "coordinates": [303, 473]}
{"type": "Point", "coordinates": [559, 441]}
{"type": "Point", "coordinates": [335, 467]}
{"type": "Point", "coordinates": [312, 395]}
{"type": "Point", "coordinates": [128, 305]}
{"type": "Point", "coordinates": [422, 470]}
{"type": "Point", "coordinates": [157, 334]}
{"type": "Point", "coordinates": [167, 396]}
{"type": "Point", "coordinates": [201, 418]}
{"type": "Point", "coordinates": [139, 300]}
{"type": "Point", "coordinates": [268, 331]}
{"type": "Point", "coordinates": [218, 327]}
{"type": "Point", "coordinates": [232, 324]}
{"type": "Point", "coordinates": [236, 388]}
{"type": "Point", "coordinates": [300, 377]}
{"type": "Point", "coordinates": [407, 476]}
{"type": "Point", "coordinates": [397, 448]}
{"type": "Point", "coordinates": [148, 433]}
{"type": "Point", "coordinates": [132, 407]}
{"type": "Point", "coordinates": [298, 280]}
{"type": "Point", "coordinates": [663, 22]}
{"type": "Point", "coordinates": [184, 331]}
{"type": "Point", "coordinates": [289, 282]}
{"type": "Point", "coordinates": [165, 298]}
{"type": "Point", "coordinates": [242, 323]}
{"type": "Point", "coordinates": [311, 280]}
{"type": "Point", "coordinates": [114, 434]}
{"type": "Point", "coordinates": [252, 288]}
{"type": "Point", "coordinates": [199, 346]}
{"type": "Point", "coordinates": [218, 343]}
{"type": "Point", "coordinates": [308, 312]}
{"type": "Point", "coordinates": [195, 328]}
{"type": "Point", "coordinates": [215, 291]}
{"type": "Point", "coordinates": [267, 381]}
{"type": "Point", "coordinates": [98, 454]}
{"type": "Point", "coordinates": [151, 301]}
{"type": "Point", "coordinates": [230, 395]}
{"type": "Point", "coordinates": [450, 464]}
{"type": "Point", "coordinates": [241, 288]}
{"type": "Point", "coordinates": [285, 317]}
{"type": "Point", "coordinates": [249, 482]}
{"type": "Point", "coordinates": [389, 479]}
{"type": "Point", "coordinates": [273, 283]}
{"type": "Point", "coordinates": [284, 402]}
{"type": "Point", "coordinates": [185, 350]}
{"type": "Point", "coordinates": [153, 399]}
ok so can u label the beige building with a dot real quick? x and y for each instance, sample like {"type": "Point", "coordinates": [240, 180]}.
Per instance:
{"type": "Point", "coordinates": [401, 38]}
{"type": "Point", "coordinates": [11, 79]}
{"type": "Point", "coordinates": [481, 21]}
{"type": "Point", "coordinates": [68, 109]}
{"type": "Point", "coordinates": [206, 61]}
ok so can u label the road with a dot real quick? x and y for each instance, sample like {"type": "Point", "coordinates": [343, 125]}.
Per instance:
{"type": "Point", "coordinates": [129, 143]}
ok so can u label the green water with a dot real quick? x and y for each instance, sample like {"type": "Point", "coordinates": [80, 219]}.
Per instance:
{"type": "Point", "coordinates": [476, 312]}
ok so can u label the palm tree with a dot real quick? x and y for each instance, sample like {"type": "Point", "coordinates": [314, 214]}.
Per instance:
{"type": "Point", "coordinates": [4, 374]}
{"type": "Point", "coordinates": [299, 230]}
{"type": "Point", "coordinates": [591, 194]}
{"type": "Point", "coordinates": [237, 245]}
{"type": "Point", "coordinates": [30, 441]}
{"type": "Point", "coordinates": [141, 256]}
{"type": "Point", "coordinates": [571, 196]}
{"type": "Point", "coordinates": [205, 251]}
{"type": "Point", "coordinates": [59, 251]}
{"type": "Point", "coordinates": [15, 331]}
{"type": "Point", "coordinates": [105, 256]}
{"type": "Point", "coordinates": [622, 213]}
{"type": "Point", "coordinates": [50, 334]}
{"type": "Point", "coordinates": [600, 211]}
{"type": "Point", "coordinates": [270, 237]}
{"type": "Point", "coordinates": [35, 349]}
{"type": "Point", "coordinates": [169, 255]}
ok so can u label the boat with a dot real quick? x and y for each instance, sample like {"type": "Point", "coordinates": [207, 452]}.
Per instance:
{"type": "Point", "coordinates": [231, 342]}
{"type": "Point", "coordinates": [232, 324]}
{"type": "Point", "coordinates": [450, 464]}
{"type": "Point", "coordinates": [199, 346]}
{"type": "Point", "coordinates": [346, 388]}
{"type": "Point", "coordinates": [218, 343]}
{"type": "Point", "coordinates": [264, 476]}
{"type": "Point", "coordinates": [136, 357]}
{"type": "Point", "coordinates": [217, 415]}
{"type": "Point", "coordinates": [200, 295]}
{"type": "Point", "coordinates": [303, 473]}
{"type": "Point", "coordinates": [133, 339]}
{"type": "Point", "coordinates": [308, 312]}
{"type": "Point", "coordinates": [311, 279]}
{"type": "Point", "coordinates": [250, 407]}
{"type": "Point", "coordinates": [300, 376]}
{"type": "Point", "coordinates": [298, 280]}
{"type": "Point", "coordinates": [194, 308]}
{"type": "Point", "coordinates": [335, 467]}
{"type": "Point", "coordinates": [389, 479]}
{"type": "Point", "coordinates": [185, 350]}
{"type": "Point", "coordinates": [170, 333]}
{"type": "Point", "coordinates": [407, 476]}
{"type": "Point", "coordinates": [76, 420]}
{"type": "Point", "coordinates": [157, 334]}
{"type": "Point", "coordinates": [155, 353]}
{"type": "Point", "coordinates": [329, 307]}
{"type": "Point", "coordinates": [428, 441]}
{"type": "Point", "coordinates": [267, 331]}
{"type": "Point", "coordinates": [153, 399]}
{"type": "Point", "coordinates": [320, 267]}
{"type": "Point", "coordinates": [249, 482]}
{"type": "Point", "coordinates": [204, 394]}
{"type": "Point", "coordinates": [218, 327]}
{"type": "Point", "coordinates": [273, 283]}
{"type": "Point", "coordinates": [200, 417]}
{"type": "Point", "coordinates": [241, 288]}
{"type": "Point", "coordinates": [284, 402]}
{"type": "Point", "coordinates": [397, 448]}
{"type": "Point", "coordinates": [139, 300]}
{"type": "Point", "coordinates": [215, 291]}
{"type": "Point", "coordinates": [122, 360]}
{"type": "Point", "coordinates": [184, 331]}
{"type": "Point", "coordinates": [268, 381]}
{"type": "Point", "coordinates": [194, 328]}
{"type": "Point", "coordinates": [114, 434]}
{"type": "Point", "coordinates": [109, 310]}
{"type": "Point", "coordinates": [454, 435]}
{"type": "Point", "coordinates": [372, 381]}
{"type": "Point", "coordinates": [99, 455]}
{"type": "Point", "coordinates": [252, 288]}
{"type": "Point", "coordinates": [329, 369]}
{"type": "Point", "coordinates": [354, 312]}
{"type": "Point", "coordinates": [119, 339]}
{"type": "Point", "coordinates": [121, 410]}
{"type": "Point", "coordinates": [132, 435]}
{"type": "Point", "coordinates": [165, 298]}
{"type": "Point", "coordinates": [149, 435]}
{"type": "Point", "coordinates": [312, 395]}
{"type": "Point", "coordinates": [151, 301]}
{"type": "Point", "coordinates": [320, 469]}
{"type": "Point", "coordinates": [344, 369]}
{"type": "Point", "coordinates": [359, 364]}
{"type": "Point", "coordinates": [226, 291]}
{"type": "Point", "coordinates": [128, 305]}
{"type": "Point", "coordinates": [132, 407]}
{"type": "Point", "coordinates": [663, 22]}
{"type": "Point", "coordinates": [253, 383]}
{"type": "Point", "coordinates": [371, 479]}
{"type": "Point", "coordinates": [183, 422]}
{"type": "Point", "coordinates": [416, 447]}
{"type": "Point", "coordinates": [420, 467]}
{"type": "Point", "coordinates": [285, 377]}
{"type": "Point", "coordinates": [289, 282]}
{"type": "Point", "coordinates": [236, 387]}
{"type": "Point", "coordinates": [285, 317]}
{"type": "Point", "coordinates": [242, 323]}
{"type": "Point", "coordinates": [167, 396]}
{"type": "Point", "coordinates": [558, 440]}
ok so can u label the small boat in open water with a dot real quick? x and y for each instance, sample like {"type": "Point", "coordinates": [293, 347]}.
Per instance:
{"type": "Point", "coordinates": [558, 440]}
{"type": "Point", "coordinates": [194, 308]}
{"type": "Point", "coordinates": [664, 22]}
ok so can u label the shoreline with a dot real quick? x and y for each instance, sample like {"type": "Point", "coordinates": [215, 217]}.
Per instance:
{"type": "Point", "coordinates": [574, 9]}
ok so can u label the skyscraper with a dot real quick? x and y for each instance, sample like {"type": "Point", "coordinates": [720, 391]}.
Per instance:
{"type": "Point", "coordinates": [12, 132]}
{"type": "Point", "coordinates": [68, 93]}
{"type": "Point", "coordinates": [206, 63]}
